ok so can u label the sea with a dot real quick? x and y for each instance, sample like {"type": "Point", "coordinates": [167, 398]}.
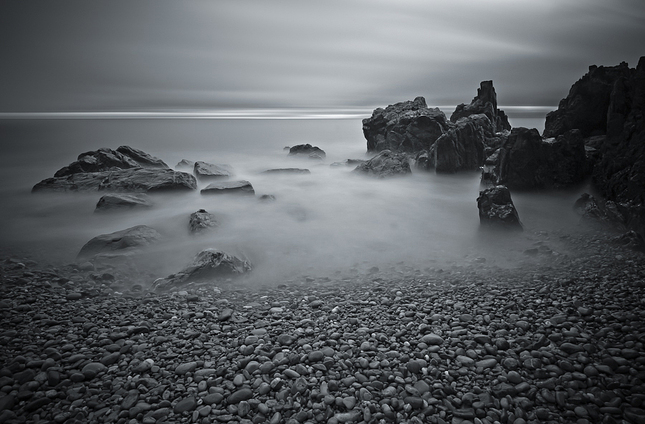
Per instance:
{"type": "Point", "coordinates": [329, 222]}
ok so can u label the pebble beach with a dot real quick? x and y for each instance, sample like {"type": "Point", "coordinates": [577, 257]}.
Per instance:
{"type": "Point", "coordinates": [558, 339]}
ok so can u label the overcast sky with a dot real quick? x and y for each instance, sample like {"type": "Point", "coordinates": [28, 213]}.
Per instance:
{"type": "Point", "coordinates": [169, 55]}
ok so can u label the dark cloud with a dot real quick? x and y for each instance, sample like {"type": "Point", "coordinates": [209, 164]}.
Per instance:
{"type": "Point", "coordinates": [123, 55]}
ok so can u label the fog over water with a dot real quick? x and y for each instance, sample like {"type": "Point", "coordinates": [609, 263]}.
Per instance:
{"type": "Point", "coordinates": [330, 220]}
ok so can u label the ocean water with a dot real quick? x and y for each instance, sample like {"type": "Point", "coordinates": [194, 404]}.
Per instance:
{"type": "Point", "coordinates": [328, 222]}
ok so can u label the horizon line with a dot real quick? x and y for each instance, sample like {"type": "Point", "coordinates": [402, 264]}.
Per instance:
{"type": "Point", "coordinates": [263, 113]}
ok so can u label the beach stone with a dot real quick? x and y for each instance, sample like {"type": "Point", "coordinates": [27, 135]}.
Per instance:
{"type": "Point", "coordinates": [240, 395]}
{"type": "Point", "coordinates": [432, 340]}
{"type": "Point", "coordinates": [186, 368]}
{"type": "Point", "coordinates": [185, 405]}
{"type": "Point", "coordinates": [92, 369]}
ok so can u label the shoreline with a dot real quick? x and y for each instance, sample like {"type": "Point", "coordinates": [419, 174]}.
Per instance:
{"type": "Point", "coordinates": [466, 345]}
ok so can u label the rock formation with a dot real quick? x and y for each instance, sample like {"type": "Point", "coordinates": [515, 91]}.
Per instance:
{"type": "Point", "coordinates": [485, 102]}
{"type": "Point", "coordinates": [204, 171]}
{"type": "Point", "coordinates": [496, 209]}
{"type": "Point", "coordinates": [201, 221]}
{"type": "Point", "coordinates": [313, 152]}
{"type": "Point", "coordinates": [209, 265]}
{"type": "Point", "coordinates": [114, 201]}
{"type": "Point", "coordinates": [185, 164]}
{"type": "Point", "coordinates": [229, 187]}
{"type": "Point", "coordinates": [385, 164]}
{"type": "Point", "coordinates": [124, 241]}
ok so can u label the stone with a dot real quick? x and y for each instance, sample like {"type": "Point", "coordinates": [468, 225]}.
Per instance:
{"type": "Point", "coordinates": [242, 187]}
{"type": "Point", "coordinates": [313, 152]}
{"type": "Point", "coordinates": [204, 171]}
{"type": "Point", "coordinates": [485, 102]}
{"type": "Point", "coordinates": [185, 368]}
{"type": "Point", "coordinates": [142, 158]}
{"type": "Point", "coordinates": [133, 238]}
{"type": "Point", "coordinates": [288, 171]}
{"type": "Point", "coordinates": [120, 201]}
{"type": "Point", "coordinates": [432, 340]}
{"type": "Point", "coordinates": [240, 395]}
{"type": "Point", "coordinates": [105, 159]}
{"type": "Point", "coordinates": [385, 164]}
{"type": "Point", "coordinates": [201, 221]}
{"type": "Point", "coordinates": [462, 146]}
{"type": "Point", "coordinates": [185, 164]}
{"type": "Point", "coordinates": [92, 369]}
{"type": "Point", "coordinates": [185, 405]}
{"type": "Point", "coordinates": [208, 265]}
{"type": "Point", "coordinates": [496, 209]}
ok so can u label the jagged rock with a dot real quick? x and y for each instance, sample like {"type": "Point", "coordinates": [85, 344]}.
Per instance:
{"type": "Point", "coordinates": [484, 103]}
{"type": "Point", "coordinates": [631, 240]}
{"type": "Point", "coordinates": [136, 180]}
{"type": "Point", "coordinates": [201, 220]}
{"type": "Point", "coordinates": [210, 171]}
{"type": "Point", "coordinates": [589, 208]}
{"type": "Point", "coordinates": [110, 202]}
{"type": "Point", "coordinates": [385, 164]}
{"type": "Point", "coordinates": [208, 265]}
{"type": "Point", "coordinates": [105, 159]}
{"type": "Point", "coordinates": [404, 127]}
{"type": "Point", "coordinates": [142, 158]}
{"type": "Point", "coordinates": [287, 171]}
{"type": "Point", "coordinates": [527, 161]}
{"type": "Point", "coordinates": [587, 105]}
{"type": "Point", "coordinates": [229, 187]}
{"type": "Point", "coordinates": [130, 239]}
{"type": "Point", "coordinates": [185, 164]}
{"type": "Point", "coordinates": [496, 209]}
{"type": "Point", "coordinates": [313, 152]}
{"type": "Point", "coordinates": [462, 147]}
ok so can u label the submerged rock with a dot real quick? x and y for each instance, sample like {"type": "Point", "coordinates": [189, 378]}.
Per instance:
{"type": "Point", "coordinates": [287, 171]}
{"type": "Point", "coordinates": [496, 209]}
{"type": "Point", "coordinates": [208, 265]}
{"type": "Point", "coordinates": [110, 202]}
{"type": "Point", "coordinates": [121, 180]}
{"type": "Point", "coordinates": [210, 171]}
{"type": "Point", "coordinates": [385, 164]}
{"type": "Point", "coordinates": [313, 152]}
{"type": "Point", "coordinates": [229, 187]}
{"type": "Point", "coordinates": [130, 239]}
{"type": "Point", "coordinates": [201, 221]}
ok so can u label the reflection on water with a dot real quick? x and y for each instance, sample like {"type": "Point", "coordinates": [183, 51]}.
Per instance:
{"type": "Point", "coordinates": [321, 222]}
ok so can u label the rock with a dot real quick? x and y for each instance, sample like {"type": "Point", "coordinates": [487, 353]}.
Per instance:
{"type": "Point", "coordinates": [313, 152]}
{"type": "Point", "coordinates": [432, 339]}
{"type": "Point", "coordinates": [134, 180]}
{"type": "Point", "coordinates": [385, 164]}
{"type": "Point", "coordinates": [631, 240]}
{"type": "Point", "coordinates": [287, 171]}
{"type": "Point", "coordinates": [527, 161]}
{"type": "Point", "coordinates": [404, 127]}
{"type": "Point", "coordinates": [185, 164]}
{"type": "Point", "coordinates": [485, 102]}
{"type": "Point", "coordinates": [110, 202]}
{"type": "Point", "coordinates": [92, 369]}
{"type": "Point", "coordinates": [462, 147]}
{"type": "Point", "coordinates": [142, 158]}
{"type": "Point", "coordinates": [587, 105]}
{"type": "Point", "coordinates": [185, 405]}
{"type": "Point", "coordinates": [209, 264]}
{"type": "Point", "coordinates": [589, 208]}
{"type": "Point", "coordinates": [130, 239]}
{"type": "Point", "coordinates": [105, 159]}
{"type": "Point", "coordinates": [240, 395]}
{"type": "Point", "coordinates": [229, 187]}
{"type": "Point", "coordinates": [201, 221]}
{"type": "Point", "coordinates": [496, 209]}
{"type": "Point", "coordinates": [209, 171]}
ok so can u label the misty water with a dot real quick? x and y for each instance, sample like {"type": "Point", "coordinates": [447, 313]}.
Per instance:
{"type": "Point", "coordinates": [328, 222]}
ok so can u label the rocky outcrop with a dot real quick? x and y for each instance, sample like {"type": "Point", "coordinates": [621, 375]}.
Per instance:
{"type": "Point", "coordinates": [133, 180]}
{"type": "Point", "coordinates": [496, 209]}
{"type": "Point", "coordinates": [587, 105]}
{"type": "Point", "coordinates": [185, 164]}
{"type": "Point", "coordinates": [105, 159]}
{"type": "Point", "coordinates": [124, 241]}
{"type": "Point", "coordinates": [229, 187]}
{"type": "Point", "coordinates": [204, 171]}
{"type": "Point", "coordinates": [527, 161]}
{"type": "Point", "coordinates": [120, 201]}
{"type": "Point", "coordinates": [462, 147]}
{"type": "Point", "coordinates": [201, 221]}
{"type": "Point", "coordinates": [142, 158]}
{"type": "Point", "coordinates": [209, 265]}
{"type": "Point", "coordinates": [385, 164]}
{"type": "Point", "coordinates": [588, 207]}
{"type": "Point", "coordinates": [485, 102]}
{"type": "Point", "coordinates": [313, 152]}
{"type": "Point", "coordinates": [404, 127]}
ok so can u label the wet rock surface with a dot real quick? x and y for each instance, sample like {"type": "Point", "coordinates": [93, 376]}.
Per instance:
{"type": "Point", "coordinates": [229, 187]}
{"type": "Point", "coordinates": [121, 201]}
{"type": "Point", "coordinates": [385, 164]}
{"type": "Point", "coordinates": [556, 340]}
{"type": "Point", "coordinates": [496, 209]}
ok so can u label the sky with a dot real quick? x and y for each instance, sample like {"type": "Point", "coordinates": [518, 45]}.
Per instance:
{"type": "Point", "coordinates": [158, 55]}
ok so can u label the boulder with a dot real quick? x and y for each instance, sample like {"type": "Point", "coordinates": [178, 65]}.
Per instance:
{"type": "Point", "coordinates": [208, 265]}
{"type": "Point", "coordinates": [462, 147]}
{"type": "Point", "coordinates": [137, 180]}
{"type": "Point", "coordinates": [210, 171]}
{"type": "Point", "coordinates": [144, 159]}
{"type": "Point", "coordinates": [127, 240]}
{"type": "Point", "coordinates": [496, 209]}
{"type": "Point", "coordinates": [348, 162]}
{"type": "Point", "coordinates": [287, 171]}
{"type": "Point", "coordinates": [404, 127]}
{"type": "Point", "coordinates": [586, 106]}
{"type": "Point", "coordinates": [385, 164]}
{"type": "Point", "coordinates": [201, 221]}
{"type": "Point", "coordinates": [485, 102]}
{"type": "Point", "coordinates": [229, 187]}
{"type": "Point", "coordinates": [110, 202]}
{"type": "Point", "coordinates": [105, 159]}
{"type": "Point", "coordinates": [527, 161]}
{"type": "Point", "coordinates": [185, 164]}
{"type": "Point", "coordinates": [588, 207]}
{"type": "Point", "coordinates": [313, 152]}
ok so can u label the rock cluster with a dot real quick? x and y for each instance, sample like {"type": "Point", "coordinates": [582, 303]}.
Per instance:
{"type": "Point", "coordinates": [465, 345]}
{"type": "Point", "coordinates": [484, 103]}
{"type": "Point", "coordinates": [385, 164]}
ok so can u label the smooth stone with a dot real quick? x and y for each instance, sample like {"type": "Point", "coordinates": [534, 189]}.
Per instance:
{"type": "Point", "coordinates": [432, 340]}
{"type": "Point", "coordinates": [240, 395]}
{"type": "Point", "coordinates": [185, 405]}
{"type": "Point", "coordinates": [185, 368]}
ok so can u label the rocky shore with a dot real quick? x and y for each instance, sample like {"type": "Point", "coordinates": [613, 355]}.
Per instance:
{"type": "Point", "coordinates": [558, 339]}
